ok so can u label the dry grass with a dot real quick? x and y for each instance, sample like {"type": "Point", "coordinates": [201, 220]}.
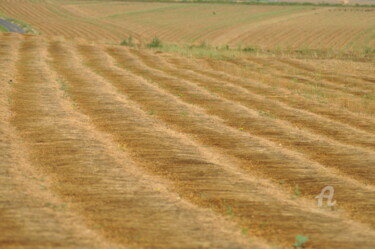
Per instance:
{"type": "Point", "coordinates": [264, 26]}
{"type": "Point", "coordinates": [182, 146]}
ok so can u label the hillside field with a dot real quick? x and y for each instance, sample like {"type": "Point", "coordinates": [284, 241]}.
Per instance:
{"type": "Point", "coordinates": [223, 136]}
{"type": "Point", "coordinates": [264, 26]}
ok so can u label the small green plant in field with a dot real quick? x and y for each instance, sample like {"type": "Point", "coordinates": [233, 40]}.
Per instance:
{"type": "Point", "coordinates": [318, 91]}
{"type": "Point", "coordinates": [300, 241]}
{"type": "Point", "coordinates": [63, 87]}
{"type": "Point", "coordinates": [367, 98]}
{"type": "Point", "coordinates": [42, 187]}
{"type": "Point", "coordinates": [55, 206]}
{"type": "Point", "coordinates": [184, 113]}
{"type": "Point", "coordinates": [295, 80]}
{"type": "Point", "coordinates": [203, 44]}
{"type": "Point", "coordinates": [266, 114]}
{"type": "Point", "coordinates": [63, 206]}
{"type": "Point", "coordinates": [245, 231]}
{"type": "Point", "coordinates": [128, 42]}
{"type": "Point", "coordinates": [369, 50]}
{"type": "Point", "coordinates": [155, 43]}
{"type": "Point", "coordinates": [297, 191]}
{"type": "Point", "coordinates": [122, 147]}
{"type": "Point", "coordinates": [230, 211]}
{"type": "Point", "coordinates": [249, 49]}
{"type": "Point", "coordinates": [225, 47]}
{"type": "Point", "coordinates": [3, 29]}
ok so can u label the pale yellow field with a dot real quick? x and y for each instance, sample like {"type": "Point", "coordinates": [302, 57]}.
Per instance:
{"type": "Point", "coordinates": [267, 27]}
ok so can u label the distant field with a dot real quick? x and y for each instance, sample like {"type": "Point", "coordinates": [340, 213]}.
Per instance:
{"type": "Point", "coordinates": [166, 146]}
{"type": "Point", "coordinates": [263, 26]}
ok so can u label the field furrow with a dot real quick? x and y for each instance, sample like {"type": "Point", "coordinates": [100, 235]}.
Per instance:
{"type": "Point", "coordinates": [186, 125]}
{"type": "Point", "coordinates": [290, 107]}
{"type": "Point", "coordinates": [314, 82]}
{"type": "Point", "coordinates": [346, 81]}
{"type": "Point", "coordinates": [326, 83]}
{"type": "Point", "coordinates": [286, 134]}
{"type": "Point", "coordinates": [315, 85]}
{"type": "Point", "coordinates": [350, 92]}
{"type": "Point", "coordinates": [201, 126]}
{"type": "Point", "coordinates": [283, 134]}
{"type": "Point", "coordinates": [99, 183]}
{"type": "Point", "coordinates": [196, 177]}
{"type": "Point", "coordinates": [31, 216]}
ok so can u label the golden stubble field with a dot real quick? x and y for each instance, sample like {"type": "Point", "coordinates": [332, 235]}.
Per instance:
{"type": "Point", "coordinates": [218, 24]}
{"type": "Point", "coordinates": [106, 146]}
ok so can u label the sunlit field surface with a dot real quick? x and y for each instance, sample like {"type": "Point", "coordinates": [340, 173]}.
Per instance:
{"type": "Point", "coordinates": [222, 132]}
{"type": "Point", "coordinates": [266, 26]}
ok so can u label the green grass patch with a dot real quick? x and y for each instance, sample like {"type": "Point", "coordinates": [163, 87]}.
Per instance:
{"type": "Point", "coordinates": [3, 29]}
{"type": "Point", "coordinates": [128, 42]}
{"type": "Point", "coordinates": [298, 194]}
{"type": "Point", "coordinates": [198, 51]}
{"type": "Point", "coordinates": [155, 43]}
{"type": "Point", "coordinates": [300, 241]}
{"type": "Point", "coordinates": [225, 52]}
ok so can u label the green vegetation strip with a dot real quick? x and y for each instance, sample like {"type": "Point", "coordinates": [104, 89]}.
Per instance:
{"type": "Point", "coordinates": [3, 29]}
{"type": "Point", "coordinates": [226, 52]}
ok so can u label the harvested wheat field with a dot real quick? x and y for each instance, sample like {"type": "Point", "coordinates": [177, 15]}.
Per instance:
{"type": "Point", "coordinates": [264, 26]}
{"type": "Point", "coordinates": [109, 146]}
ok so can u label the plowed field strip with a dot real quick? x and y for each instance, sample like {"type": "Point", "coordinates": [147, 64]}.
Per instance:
{"type": "Point", "coordinates": [201, 180]}
{"type": "Point", "coordinates": [347, 81]}
{"type": "Point", "coordinates": [319, 84]}
{"type": "Point", "coordinates": [265, 75]}
{"type": "Point", "coordinates": [66, 25]}
{"type": "Point", "coordinates": [99, 182]}
{"type": "Point", "coordinates": [281, 104]}
{"type": "Point", "coordinates": [325, 151]}
{"type": "Point", "coordinates": [323, 84]}
{"type": "Point", "coordinates": [329, 88]}
{"type": "Point", "coordinates": [243, 32]}
{"type": "Point", "coordinates": [248, 151]}
{"type": "Point", "coordinates": [26, 221]}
